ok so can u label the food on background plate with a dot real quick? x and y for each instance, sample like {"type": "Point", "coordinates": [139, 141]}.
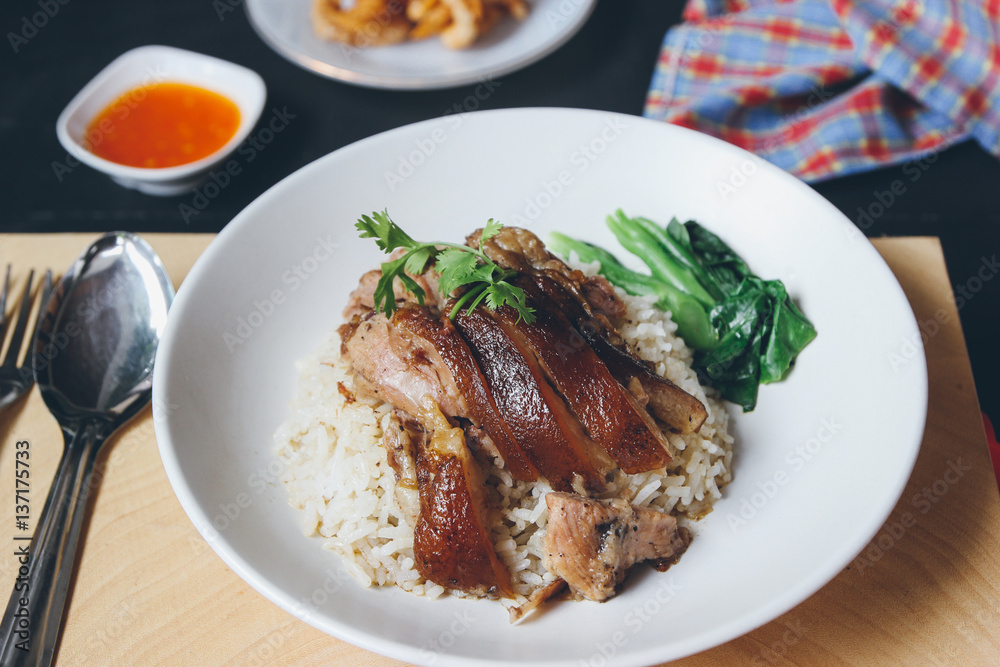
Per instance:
{"type": "Point", "coordinates": [364, 23]}
{"type": "Point", "coordinates": [162, 125]}
{"type": "Point", "coordinates": [490, 421]}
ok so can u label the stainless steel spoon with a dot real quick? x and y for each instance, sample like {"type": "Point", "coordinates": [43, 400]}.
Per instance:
{"type": "Point", "coordinates": [93, 361]}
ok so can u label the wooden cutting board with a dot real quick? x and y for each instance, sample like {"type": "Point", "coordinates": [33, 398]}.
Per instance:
{"type": "Point", "coordinates": [149, 591]}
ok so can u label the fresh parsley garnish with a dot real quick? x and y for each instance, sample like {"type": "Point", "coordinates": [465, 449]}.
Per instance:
{"type": "Point", "coordinates": [458, 266]}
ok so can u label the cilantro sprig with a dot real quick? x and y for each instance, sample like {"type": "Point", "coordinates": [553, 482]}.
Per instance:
{"type": "Point", "coordinates": [458, 266]}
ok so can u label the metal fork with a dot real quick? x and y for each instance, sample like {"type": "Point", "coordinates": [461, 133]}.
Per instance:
{"type": "Point", "coordinates": [16, 380]}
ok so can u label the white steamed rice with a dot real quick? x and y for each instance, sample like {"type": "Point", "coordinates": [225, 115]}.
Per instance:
{"type": "Point", "coordinates": [336, 470]}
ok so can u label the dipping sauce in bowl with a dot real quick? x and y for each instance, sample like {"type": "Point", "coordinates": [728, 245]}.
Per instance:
{"type": "Point", "coordinates": [162, 125]}
{"type": "Point", "coordinates": [158, 119]}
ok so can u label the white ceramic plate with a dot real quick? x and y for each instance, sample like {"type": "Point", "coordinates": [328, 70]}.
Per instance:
{"type": "Point", "coordinates": [286, 27]}
{"type": "Point", "coordinates": [818, 467]}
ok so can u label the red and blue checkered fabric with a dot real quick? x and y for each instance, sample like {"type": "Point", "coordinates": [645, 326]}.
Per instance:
{"type": "Point", "coordinates": [824, 88]}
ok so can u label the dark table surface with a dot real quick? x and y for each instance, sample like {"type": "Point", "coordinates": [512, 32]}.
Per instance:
{"type": "Point", "coordinates": [606, 66]}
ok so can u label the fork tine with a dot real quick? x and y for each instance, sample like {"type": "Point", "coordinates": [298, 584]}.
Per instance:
{"type": "Point", "coordinates": [46, 293]}
{"type": "Point", "coordinates": [20, 326]}
{"type": "Point", "coordinates": [42, 305]}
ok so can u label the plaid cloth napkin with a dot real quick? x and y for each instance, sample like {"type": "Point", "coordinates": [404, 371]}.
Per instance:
{"type": "Point", "coordinates": [828, 87]}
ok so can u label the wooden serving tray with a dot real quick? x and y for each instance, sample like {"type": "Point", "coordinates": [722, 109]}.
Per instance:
{"type": "Point", "coordinates": [149, 591]}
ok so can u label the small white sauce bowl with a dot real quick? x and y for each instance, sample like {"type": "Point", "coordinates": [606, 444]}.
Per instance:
{"type": "Point", "coordinates": [160, 64]}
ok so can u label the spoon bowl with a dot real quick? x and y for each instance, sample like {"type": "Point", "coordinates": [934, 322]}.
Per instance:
{"type": "Point", "coordinates": [97, 339]}
{"type": "Point", "coordinates": [93, 361]}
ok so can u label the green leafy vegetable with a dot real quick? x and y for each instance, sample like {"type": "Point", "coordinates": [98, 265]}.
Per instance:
{"type": "Point", "coordinates": [661, 259]}
{"type": "Point", "coordinates": [726, 267]}
{"type": "Point", "coordinates": [690, 316]}
{"type": "Point", "coordinates": [745, 330]}
{"type": "Point", "coordinates": [458, 265]}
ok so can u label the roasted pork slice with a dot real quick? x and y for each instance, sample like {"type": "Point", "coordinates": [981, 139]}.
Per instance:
{"type": "Point", "coordinates": [481, 408]}
{"type": "Point", "coordinates": [451, 542]}
{"type": "Point", "coordinates": [679, 410]}
{"type": "Point", "coordinates": [593, 544]}
{"type": "Point", "coordinates": [588, 302]}
{"type": "Point", "coordinates": [549, 434]}
{"type": "Point", "coordinates": [417, 353]}
{"type": "Point", "coordinates": [400, 368]}
{"type": "Point", "coordinates": [682, 412]}
{"type": "Point", "coordinates": [612, 416]}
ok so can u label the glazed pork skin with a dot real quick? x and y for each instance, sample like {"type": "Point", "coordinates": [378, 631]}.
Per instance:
{"type": "Point", "coordinates": [551, 436]}
{"type": "Point", "coordinates": [588, 302]}
{"type": "Point", "coordinates": [451, 544]}
{"type": "Point", "coordinates": [609, 413]}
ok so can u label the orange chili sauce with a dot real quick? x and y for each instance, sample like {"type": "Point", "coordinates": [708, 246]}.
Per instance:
{"type": "Point", "coordinates": [162, 125]}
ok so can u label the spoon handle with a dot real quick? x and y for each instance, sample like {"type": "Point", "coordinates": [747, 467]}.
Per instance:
{"type": "Point", "coordinates": [33, 619]}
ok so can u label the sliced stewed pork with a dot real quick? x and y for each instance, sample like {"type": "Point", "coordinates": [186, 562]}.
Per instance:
{"type": "Point", "coordinates": [563, 398]}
